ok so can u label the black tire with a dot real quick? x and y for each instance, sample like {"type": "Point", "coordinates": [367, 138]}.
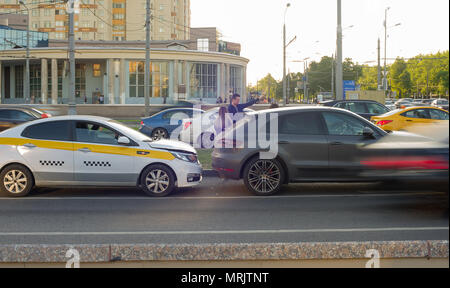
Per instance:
{"type": "Point", "coordinates": [160, 133]}
{"type": "Point", "coordinates": [267, 179]}
{"type": "Point", "coordinates": [16, 181]}
{"type": "Point", "coordinates": [204, 144]}
{"type": "Point", "coordinates": [150, 177]}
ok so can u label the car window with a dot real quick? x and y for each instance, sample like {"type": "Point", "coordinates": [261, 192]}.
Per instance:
{"type": "Point", "coordinates": [438, 114]}
{"type": "Point", "coordinates": [303, 123]}
{"type": "Point", "coordinates": [341, 105]}
{"type": "Point", "coordinates": [56, 130]}
{"type": "Point", "coordinates": [417, 113]}
{"type": "Point", "coordinates": [374, 108]}
{"type": "Point", "coordinates": [88, 132]}
{"type": "Point", "coordinates": [169, 114]}
{"type": "Point", "coordinates": [356, 107]}
{"type": "Point", "coordinates": [15, 115]}
{"type": "Point", "coordinates": [343, 125]}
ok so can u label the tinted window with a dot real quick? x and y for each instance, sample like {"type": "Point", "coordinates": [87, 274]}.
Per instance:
{"type": "Point", "coordinates": [438, 114]}
{"type": "Point", "coordinates": [343, 125]}
{"type": "Point", "coordinates": [417, 113]}
{"type": "Point", "coordinates": [95, 133]}
{"type": "Point", "coordinates": [56, 130]}
{"type": "Point", "coordinates": [356, 107]}
{"type": "Point", "coordinates": [306, 123]}
{"type": "Point", "coordinates": [374, 108]}
{"type": "Point", "coordinates": [16, 115]}
{"type": "Point", "coordinates": [178, 114]}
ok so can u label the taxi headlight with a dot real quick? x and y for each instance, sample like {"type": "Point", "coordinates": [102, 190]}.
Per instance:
{"type": "Point", "coordinates": [192, 158]}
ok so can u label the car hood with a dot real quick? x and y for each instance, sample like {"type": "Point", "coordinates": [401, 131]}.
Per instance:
{"type": "Point", "coordinates": [172, 145]}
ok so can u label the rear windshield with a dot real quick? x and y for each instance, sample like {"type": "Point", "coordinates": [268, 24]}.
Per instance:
{"type": "Point", "coordinates": [390, 113]}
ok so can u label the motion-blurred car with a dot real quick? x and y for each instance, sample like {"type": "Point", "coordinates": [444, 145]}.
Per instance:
{"type": "Point", "coordinates": [390, 104]}
{"type": "Point", "coordinates": [406, 158]}
{"type": "Point", "coordinates": [162, 124]}
{"type": "Point", "coordinates": [314, 144]}
{"type": "Point", "coordinates": [440, 103]}
{"type": "Point", "coordinates": [92, 151]}
{"type": "Point", "coordinates": [11, 116]}
{"type": "Point", "coordinates": [203, 137]}
{"type": "Point", "coordinates": [364, 108]}
{"type": "Point", "coordinates": [405, 119]}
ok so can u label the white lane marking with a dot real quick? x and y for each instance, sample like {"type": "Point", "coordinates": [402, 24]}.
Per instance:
{"type": "Point", "coordinates": [281, 231]}
{"type": "Point", "coordinates": [223, 197]}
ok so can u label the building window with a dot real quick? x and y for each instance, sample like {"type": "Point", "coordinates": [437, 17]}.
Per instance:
{"type": "Point", "coordinates": [159, 79]}
{"type": "Point", "coordinates": [80, 80]}
{"type": "Point", "coordinates": [203, 80]}
{"type": "Point", "coordinates": [35, 81]}
{"type": "Point", "coordinates": [118, 16]}
{"type": "Point", "coordinates": [203, 44]}
{"type": "Point", "coordinates": [19, 81]}
{"type": "Point", "coordinates": [236, 79]}
{"type": "Point", "coordinates": [97, 70]}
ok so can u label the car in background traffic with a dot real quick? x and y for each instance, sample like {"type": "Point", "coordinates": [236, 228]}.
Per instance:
{"type": "Point", "coordinates": [88, 151]}
{"type": "Point", "coordinates": [440, 103]}
{"type": "Point", "coordinates": [405, 119]}
{"type": "Point", "coordinates": [364, 108]}
{"type": "Point", "coordinates": [404, 102]}
{"type": "Point", "coordinates": [11, 116]}
{"type": "Point", "coordinates": [205, 136]}
{"type": "Point", "coordinates": [390, 104]}
{"type": "Point", "coordinates": [162, 124]}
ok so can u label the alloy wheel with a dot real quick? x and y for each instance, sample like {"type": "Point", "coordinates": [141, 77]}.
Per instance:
{"type": "Point", "coordinates": [15, 182]}
{"type": "Point", "coordinates": [157, 181]}
{"type": "Point", "coordinates": [264, 176]}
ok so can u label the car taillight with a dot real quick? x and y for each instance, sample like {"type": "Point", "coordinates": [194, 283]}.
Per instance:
{"type": "Point", "coordinates": [45, 115]}
{"type": "Point", "coordinates": [142, 123]}
{"type": "Point", "coordinates": [384, 122]}
{"type": "Point", "coordinates": [187, 125]}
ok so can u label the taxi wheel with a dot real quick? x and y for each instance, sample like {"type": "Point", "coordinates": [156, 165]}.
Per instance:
{"type": "Point", "coordinates": [16, 181]}
{"type": "Point", "coordinates": [158, 181]}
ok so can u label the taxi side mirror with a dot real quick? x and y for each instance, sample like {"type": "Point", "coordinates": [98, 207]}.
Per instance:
{"type": "Point", "coordinates": [123, 140]}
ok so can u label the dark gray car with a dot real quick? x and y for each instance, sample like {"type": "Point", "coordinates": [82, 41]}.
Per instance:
{"type": "Point", "coordinates": [314, 144]}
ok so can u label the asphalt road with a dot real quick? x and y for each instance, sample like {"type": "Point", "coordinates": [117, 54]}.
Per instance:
{"type": "Point", "coordinates": [224, 212]}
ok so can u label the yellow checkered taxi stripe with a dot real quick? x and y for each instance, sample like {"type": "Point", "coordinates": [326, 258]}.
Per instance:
{"type": "Point", "coordinates": [95, 148]}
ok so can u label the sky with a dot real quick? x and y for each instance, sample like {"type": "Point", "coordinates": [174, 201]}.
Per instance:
{"type": "Point", "coordinates": [258, 25]}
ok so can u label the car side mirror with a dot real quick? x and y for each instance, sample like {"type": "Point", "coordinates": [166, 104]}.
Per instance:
{"type": "Point", "coordinates": [123, 140]}
{"type": "Point", "coordinates": [368, 132]}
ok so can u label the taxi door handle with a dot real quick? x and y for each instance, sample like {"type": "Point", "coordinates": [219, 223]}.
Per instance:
{"type": "Point", "coordinates": [85, 150]}
{"type": "Point", "coordinates": [29, 145]}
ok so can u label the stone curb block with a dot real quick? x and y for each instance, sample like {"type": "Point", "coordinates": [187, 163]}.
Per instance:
{"type": "Point", "coordinates": [222, 252]}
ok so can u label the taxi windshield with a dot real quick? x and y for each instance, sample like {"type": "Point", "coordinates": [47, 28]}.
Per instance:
{"type": "Point", "coordinates": [136, 135]}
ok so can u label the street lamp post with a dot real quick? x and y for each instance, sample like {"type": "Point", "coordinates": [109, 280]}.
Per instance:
{"type": "Point", "coordinates": [284, 55]}
{"type": "Point", "coordinates": [385, 49]}
{"type": "Point", "coordinates": [339, 72]}
{"type": "Point", "coordinates": [27, 69]}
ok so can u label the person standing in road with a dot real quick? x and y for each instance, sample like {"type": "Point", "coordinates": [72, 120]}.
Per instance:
{"type": "Point", "coordinates": [235, 107]}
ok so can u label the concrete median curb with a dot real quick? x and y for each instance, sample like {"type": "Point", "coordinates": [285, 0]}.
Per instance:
{"type": "Point", "coordinates": [224, 252]}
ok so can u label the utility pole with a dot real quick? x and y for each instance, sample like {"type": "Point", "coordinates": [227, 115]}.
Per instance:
{"type": "Point", "coordinates": [339, 73]}
{"type": "Point", "coordinates": [284, 64]}
{"type": "Point", "coordinates": [305, 83]}
{"type": "Point", "coordinates": [332, 76]}
{"type": "Point", "coordinates": [288, 87]}
{"type": "Point", "coordinates": [379, 65]}
{"type": "Point", "coordinates": [72, 99]}
{"type": "Point", "coordinates": [385, 86]}
{"type": "Point", "coordinates": [147, 61]}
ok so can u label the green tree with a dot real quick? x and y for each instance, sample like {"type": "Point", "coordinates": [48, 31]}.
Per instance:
{"type": "Point", "coordinates": [400, 78]}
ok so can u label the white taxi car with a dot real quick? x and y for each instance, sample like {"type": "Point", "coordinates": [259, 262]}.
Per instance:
{"type": "Point", "coordinates": [84, 151]}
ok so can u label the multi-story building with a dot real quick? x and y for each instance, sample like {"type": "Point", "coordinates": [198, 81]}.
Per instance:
{"type": "Point", "coordinates": [105, 19]}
